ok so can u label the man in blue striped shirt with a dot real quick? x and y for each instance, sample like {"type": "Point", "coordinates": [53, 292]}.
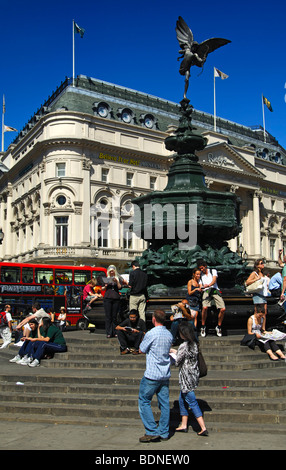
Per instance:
{"type": "Point", "coordinates": [156, 345]}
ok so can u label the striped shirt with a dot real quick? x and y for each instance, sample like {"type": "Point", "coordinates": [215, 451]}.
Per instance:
{"type": "Point", "coordinates": [156, 345]}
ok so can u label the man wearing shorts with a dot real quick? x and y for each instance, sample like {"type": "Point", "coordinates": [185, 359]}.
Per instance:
{"type": "Point", "coordinates": [211, 296]}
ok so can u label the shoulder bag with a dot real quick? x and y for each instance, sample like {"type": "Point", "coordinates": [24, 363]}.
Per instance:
{"type": "Point", "coordinates": [255, 287]}
{"type": "Point", "coordinates": [202, 364]}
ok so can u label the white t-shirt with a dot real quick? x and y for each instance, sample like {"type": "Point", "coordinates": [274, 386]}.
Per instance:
{"type": "Point", "coordinates": [8, 316]}
{"type": "Point", "coordinates": [207, 278]}
{"type": "Point", "coordinates": [39, 314]}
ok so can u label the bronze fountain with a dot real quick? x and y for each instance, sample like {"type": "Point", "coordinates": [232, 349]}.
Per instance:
{"type": "Point", "coordinates": [169, 260]}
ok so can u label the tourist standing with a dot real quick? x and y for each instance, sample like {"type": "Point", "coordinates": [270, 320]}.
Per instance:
{"type": "Point", "coordinates": [261, 296]}
{"type": "Point", "coordinates": [138, 294]}
{"type": "Point", "coordinates": [111, 301]}
{"type": "Point", "coordinates": [6, 326]}
{"type": "Point", "coordinates": [156, 345]}
{"type": "Point", "coordinates": [194, 295]}
{"type": "Point", "coordinates": [187, 361]}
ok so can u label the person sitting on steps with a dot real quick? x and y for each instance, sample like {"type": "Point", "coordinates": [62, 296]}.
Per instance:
{"type": "Point", "coordinates": [130, 333]}
{"type": "Point", "coordinates": [89, 295]}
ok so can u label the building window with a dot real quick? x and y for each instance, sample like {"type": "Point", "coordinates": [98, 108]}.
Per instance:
{"type": "Point", "coordinates": [60, 169]}
{"type": "Point", "coordinates": [102, 235]}
{"type": "Point", "coordinates": [103, 110]}
{"type": "Point", "coordinates": [129, 179]}
{"type": "Point", "coordinates": [127, 236]}
{"type": "Point", "coordinates": [153, 180]}
{"type": "Point", "coordinates": [104, 175]}
{"type": "Point", "coordinates": [61, 200]}
{"type": "Point", "coordinates": [61, 231]}
{"type": "Point", "coordinates": [272, 248]}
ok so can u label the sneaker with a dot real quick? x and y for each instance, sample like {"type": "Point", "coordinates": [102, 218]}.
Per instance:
{"type": "Point", "coordinates": [35, 363]}
{"type": "Point", "coordinates": [218, 331]}
{"type": "Point", "coordinates": [203, 331]}
{"type": "Point", "coordinates": [5, 344]}
{"type": "Point", "coordinates": [16, 358]}
{"type": "Point", "coordinates": [25, 361]}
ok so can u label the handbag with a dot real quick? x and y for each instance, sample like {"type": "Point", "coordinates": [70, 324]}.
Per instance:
{"type": "Point", "coordinates": [249, 340]}
{"type": "Point", "coordinates": [202, 365]}
{"type": "Point", "coordinates": [255, 287]}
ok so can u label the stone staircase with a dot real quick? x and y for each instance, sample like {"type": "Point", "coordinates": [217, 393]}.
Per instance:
{"type": "Point", "coordinates": [92, 384]}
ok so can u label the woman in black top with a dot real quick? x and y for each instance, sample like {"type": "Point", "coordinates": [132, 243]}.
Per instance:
{"type": "Point", "coordinates": [111, 301]}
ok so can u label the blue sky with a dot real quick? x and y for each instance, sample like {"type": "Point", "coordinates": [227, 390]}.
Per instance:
{"type": "Point", "coordinates": [135, 45]}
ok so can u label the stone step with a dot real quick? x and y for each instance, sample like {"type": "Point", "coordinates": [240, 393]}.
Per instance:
{"type": "Point", "coordinates": [130, 400]}
{"type": "Point", "coordinates": [83, 389]}
{"type": "Point", "coordinates": [123, 377]}
{"type": "Point", "coordinates": [136, 424]}
{"type": "Point", "coordinates": [127, 362]}
{"type": "Point", "coordinates": [108, 411]}
{"type": "Point", "coordinates": [87, 359]}
{"type": "Point", "coordinates": [92, 383]}
{"type": "Point", "coordinates": [93, 355]}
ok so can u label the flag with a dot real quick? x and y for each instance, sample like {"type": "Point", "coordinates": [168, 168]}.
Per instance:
{"type": "Point", "coordinates": [8, 128]}
{"type": "Point", "coordinates": [267, 103]}
{"type": "Point", "coordinates": [4, 108]}
{"type": "Point", "coordinates": [79, 30]}
{"type": "Point", "coordinates": [220, 74]}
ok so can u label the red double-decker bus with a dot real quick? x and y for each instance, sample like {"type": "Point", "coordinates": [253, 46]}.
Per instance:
{"type": "Point", "coordinates": [53, 286]}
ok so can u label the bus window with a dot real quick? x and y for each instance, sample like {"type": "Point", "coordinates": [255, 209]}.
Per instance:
{"type": "Point", "coordinates": [63, 276]}
{"type": "Point", "coordinates": [82, 277]}
{"type": "Point", "coordinates": [10, 274]}
{"type": "Point", "coordinates": [27, 275]}
{"type": "Point", "coordinates": [98, 273]}
{"type": "Point", "coordinates": [44, 276]}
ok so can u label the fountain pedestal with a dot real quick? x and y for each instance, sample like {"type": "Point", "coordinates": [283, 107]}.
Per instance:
{"type": "Point", "coordinates": [186, 207]}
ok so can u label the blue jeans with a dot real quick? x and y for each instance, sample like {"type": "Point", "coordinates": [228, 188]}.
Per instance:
{"type": "Point", "coordinates": [26, 348]}
{"type": "Point", "coordinates": [147, 390]}
{"type": "Point", "coordinates": [189, 399]}
{"type": "Point", "coordinates": [43, 347]}
{"type": "Point", "coordinates": [175, 327]}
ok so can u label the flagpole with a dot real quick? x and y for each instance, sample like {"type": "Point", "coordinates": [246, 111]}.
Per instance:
{"type": "Point", "coordinates": [263, 114]}
{"type": "Point", "coordinates": [214, 104]}
{"type": "Point", "coordinates": [3, 111]}
{"type": "Point", "coordinates": [73, 55]}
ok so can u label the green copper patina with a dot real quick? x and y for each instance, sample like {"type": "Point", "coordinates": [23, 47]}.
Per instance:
{"type": "Point", "coordinates": [188, 221]}
{"type": "Point", "coordinates": [217, 217]}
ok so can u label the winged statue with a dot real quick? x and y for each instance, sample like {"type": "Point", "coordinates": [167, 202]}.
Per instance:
{"type": "Point", "coordinates": [192, 52]}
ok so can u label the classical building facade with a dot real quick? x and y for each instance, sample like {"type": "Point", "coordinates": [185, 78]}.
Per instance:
{"type": "Point", "coordinates": [68, 179]}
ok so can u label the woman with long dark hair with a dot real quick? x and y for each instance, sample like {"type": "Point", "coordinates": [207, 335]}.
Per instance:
{"type": "Point", "coordinates": [194, 295]}
{"type": "Point", "coordinates": [49, 340]}
{"type": "Point", "coordinates": [257, 273]}
{"type": "Point", "coordinates": [187, 361]}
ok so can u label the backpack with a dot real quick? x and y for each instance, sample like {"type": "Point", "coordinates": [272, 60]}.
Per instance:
{"type": "Point", "coordinates": [3, 319]}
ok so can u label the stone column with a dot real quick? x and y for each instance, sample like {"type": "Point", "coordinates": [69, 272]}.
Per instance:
{"type": "Point", "coordinates": [256, 223]}
{"type": "Point", "coordinates": [7, 228]}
